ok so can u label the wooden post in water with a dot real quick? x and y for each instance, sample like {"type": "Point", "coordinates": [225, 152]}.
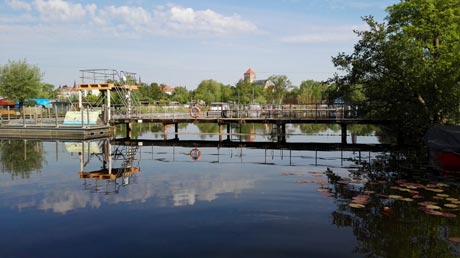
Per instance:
{"type": "Point", "coordinates": [228, 131]}
{"type": "Point", "coordinates": [128, 130]}
{"type": "Point", "coordinates": [176, 131]}
{"type": "Point", "coordinates": [344, 133]}
{"type": "Point", "coordinates": [220, 132]}
{"type": "Point", "coordinates": [56, 114]}
{"type": "Point", "coordinates": [8, 110]}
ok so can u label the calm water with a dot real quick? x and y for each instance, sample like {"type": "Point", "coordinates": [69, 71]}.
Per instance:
{"type": "Point", "coordinates": [215, 202]}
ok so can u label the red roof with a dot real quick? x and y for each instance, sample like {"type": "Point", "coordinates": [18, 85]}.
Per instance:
{"type": "Point", "coordinates": [249, 71]}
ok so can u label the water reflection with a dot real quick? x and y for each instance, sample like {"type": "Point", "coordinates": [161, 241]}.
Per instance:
{"type": "Point", "coordinates": [21, 158]}
{"type": "Point", "coordinates": [391, 216]}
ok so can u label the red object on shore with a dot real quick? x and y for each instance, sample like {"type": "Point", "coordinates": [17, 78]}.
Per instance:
{"type": "Point", "coordinates": [443, 143]}
{"type": "Point", "coordinates": [7, 103]}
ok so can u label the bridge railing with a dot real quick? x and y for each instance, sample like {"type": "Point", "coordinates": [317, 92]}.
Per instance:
{"type": "Point", "coordinates": [310, 111]}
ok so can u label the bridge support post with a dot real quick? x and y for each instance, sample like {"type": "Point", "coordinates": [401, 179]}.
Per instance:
{"type": "Point", "coordinates": [228, 131]}
{"type": "Point", "coordinates": [176, 131]}
{"type": "Point", "coordinates": [220, 132]}
{"type": "Point", "coordinates": [344, 133]}
{"type": "Point", "coordinates": [128, 130]}
{"type": "Point", "coordinates": [282, 132]}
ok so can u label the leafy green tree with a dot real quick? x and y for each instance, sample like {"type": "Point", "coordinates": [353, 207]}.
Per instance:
{"type": "Point", "coordinates": [408, 67]}
{"type": "Point", "coordinates": [311, 91]}
{"type": "Point", "coordinates": [181, 95]}
{"type": "Point", "coordinates": [245, 91]}
{"type": "Point", "coordinates": [20, 80]}
{"type": "Point", "coordinates": [209, 91]}
{"type": "Point", "coordinates": [279, 86]}
{"type": "Point", "coordinates": [48, 91]}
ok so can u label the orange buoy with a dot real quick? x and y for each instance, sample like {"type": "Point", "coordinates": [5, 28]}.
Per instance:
{"type": "Point", "coordinates": [195, 112]}
{"type": "Point", "coordinates": [195, 154]}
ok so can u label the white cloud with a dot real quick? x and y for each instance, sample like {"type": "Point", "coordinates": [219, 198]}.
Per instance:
{"type": "Point", "coordinates": [128, 21]}
{"type": "Point", "coordinates": [59, 10]}
{"type": "Point", "coordinates": [182, 19]}
{"type": "Point", "coordinates": [19, 5]}
{"type": "Point", "coordinates": [130, 15]}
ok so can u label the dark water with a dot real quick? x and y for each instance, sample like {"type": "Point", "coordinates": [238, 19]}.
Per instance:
{"type": "Point", "coordinates": [230, 202]}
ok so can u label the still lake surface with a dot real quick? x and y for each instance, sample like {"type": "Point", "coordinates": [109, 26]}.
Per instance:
{"type": "Point", "coordinates": [219, 202]}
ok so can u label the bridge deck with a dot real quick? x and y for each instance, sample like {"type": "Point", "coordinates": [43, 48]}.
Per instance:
{"type": "Point", "coordinates": [170, 120]}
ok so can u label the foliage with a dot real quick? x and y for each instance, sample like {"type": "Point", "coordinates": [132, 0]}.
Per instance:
{"type": "Point", "coordinates": [278, 87]}
{"type": "Point", "coordinates": [48, 91]}
{"type": "Point", "coordinates": [20, 81]}
{"type": "Point", "coordinates": [209, 91]}
{"type": "Point", "coordinates": [245, 91]}
{"type": "Point", "coordinates": [311, 92]}
{"type": "Point", "coordinates": [181, 95]}
{"type": "Point", "coordinates": [407, 68]}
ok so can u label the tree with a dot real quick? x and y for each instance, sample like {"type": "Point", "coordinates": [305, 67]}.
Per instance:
{"type": "Point", "coordinates": [20, 81]}
{"type": "Point", "coordinates": [245, 90]}
{"type": "Point", "coordinates": [181, 95]}
{"type": "Point", "coordinates": [279, 86]}
{"type": "Point", "coordinates": [209, 91]}
{"type": "Point", "coordinates": [408, 67]}
{"type": "Point", "coordinates": [48, 91]}
{"type": "Point", "coordinates": [311, 92]}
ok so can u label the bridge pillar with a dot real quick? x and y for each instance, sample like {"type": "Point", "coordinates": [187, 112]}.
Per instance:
{"type": "Point", "coordinates": [128, 130]}
{"type": "Point", "coordinates": [228, 131]}
{"type": "Point", "coordinates": [344, 133]}
{"type": "Point", "coordinates": [220, 132]}
{"type": "Point", "coordinates": [282, 132]}
{"type": "Point", "coordinates": [176, 131]}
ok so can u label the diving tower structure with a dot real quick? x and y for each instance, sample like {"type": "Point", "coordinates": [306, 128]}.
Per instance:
{"type": "Point", "coordinates": [109, 83]}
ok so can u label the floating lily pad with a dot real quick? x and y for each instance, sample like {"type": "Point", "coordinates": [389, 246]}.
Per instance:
{"type": "Point", "coordinates": [436, 190]}
{"type": "Point", "coordinates": [433, 207]}
{"type": "Point", "coordinates": [450, 199]}
{"type": "Point", "coordinates": [394, 196]}
{"type": "Point", "coordinates": [356, 205]}
{"type": "Point", "coordinates": [407, 199]}
{"type": "Point", "coordinates": [454, 239]}
{"type": "Point", "coordinates": [450, 205]}
{"type": "Point", "coordinates": [427, 203]}
{"type": "Point", "coordinates": [443, 195]}
{"type": "Point", "coordinates": [448, 215]}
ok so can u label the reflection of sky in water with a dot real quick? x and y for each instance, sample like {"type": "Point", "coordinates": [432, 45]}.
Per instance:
{"type": "Point", "coordinates": [231, 202]}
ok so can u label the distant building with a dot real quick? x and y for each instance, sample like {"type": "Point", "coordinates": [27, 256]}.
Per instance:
{"type": "Point", "coordinates": [250, 76]}
{"type": "Point", "coordinates": [66, 92]}
{"type": "Point", "coordinates": [167, 90]}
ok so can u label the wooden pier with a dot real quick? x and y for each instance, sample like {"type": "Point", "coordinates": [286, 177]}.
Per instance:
{"type": "Point", "coordinates": [52, 132]}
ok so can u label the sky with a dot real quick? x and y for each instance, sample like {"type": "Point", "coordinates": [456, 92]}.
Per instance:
{"type": "Point", "coordinates": [182, 42]}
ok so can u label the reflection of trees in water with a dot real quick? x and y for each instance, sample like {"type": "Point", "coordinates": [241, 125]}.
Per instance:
{"type": "Point", "coordinates": [362, 129]}
{"type": "Point", "coordinates": [139, 129]}
{"type": "Point", "coordinates": [317, 128]}
{"type": "Point", "coordinates": [390, 227]}
{"type": "Point", "coordinates": [21, 158]}
{"type": "Point", "coordinates": [207, 128]}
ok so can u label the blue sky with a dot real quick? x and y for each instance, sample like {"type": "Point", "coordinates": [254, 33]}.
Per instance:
{"type": "Point", "coordinates": [181, 43]}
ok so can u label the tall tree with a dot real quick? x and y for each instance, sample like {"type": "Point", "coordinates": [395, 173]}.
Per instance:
{"type": "Point", "coordinates": [278, 87]}
{"type": "Point", "coordinates": [311, 92]}
{"type": "Point", "coordinates": [245, 91]}
{"type": "Point", "coordinates": [209, 91]}
{"type": "Point", "coordinates": [408, 67]}
{"type": "Point", "coordinates": [20, 80]}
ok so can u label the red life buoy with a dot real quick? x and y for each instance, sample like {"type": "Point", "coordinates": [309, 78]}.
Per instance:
{"type": "Point", "coordinates": [195, 154]}
{"type": "Point", "coordinates": [195, 112]}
